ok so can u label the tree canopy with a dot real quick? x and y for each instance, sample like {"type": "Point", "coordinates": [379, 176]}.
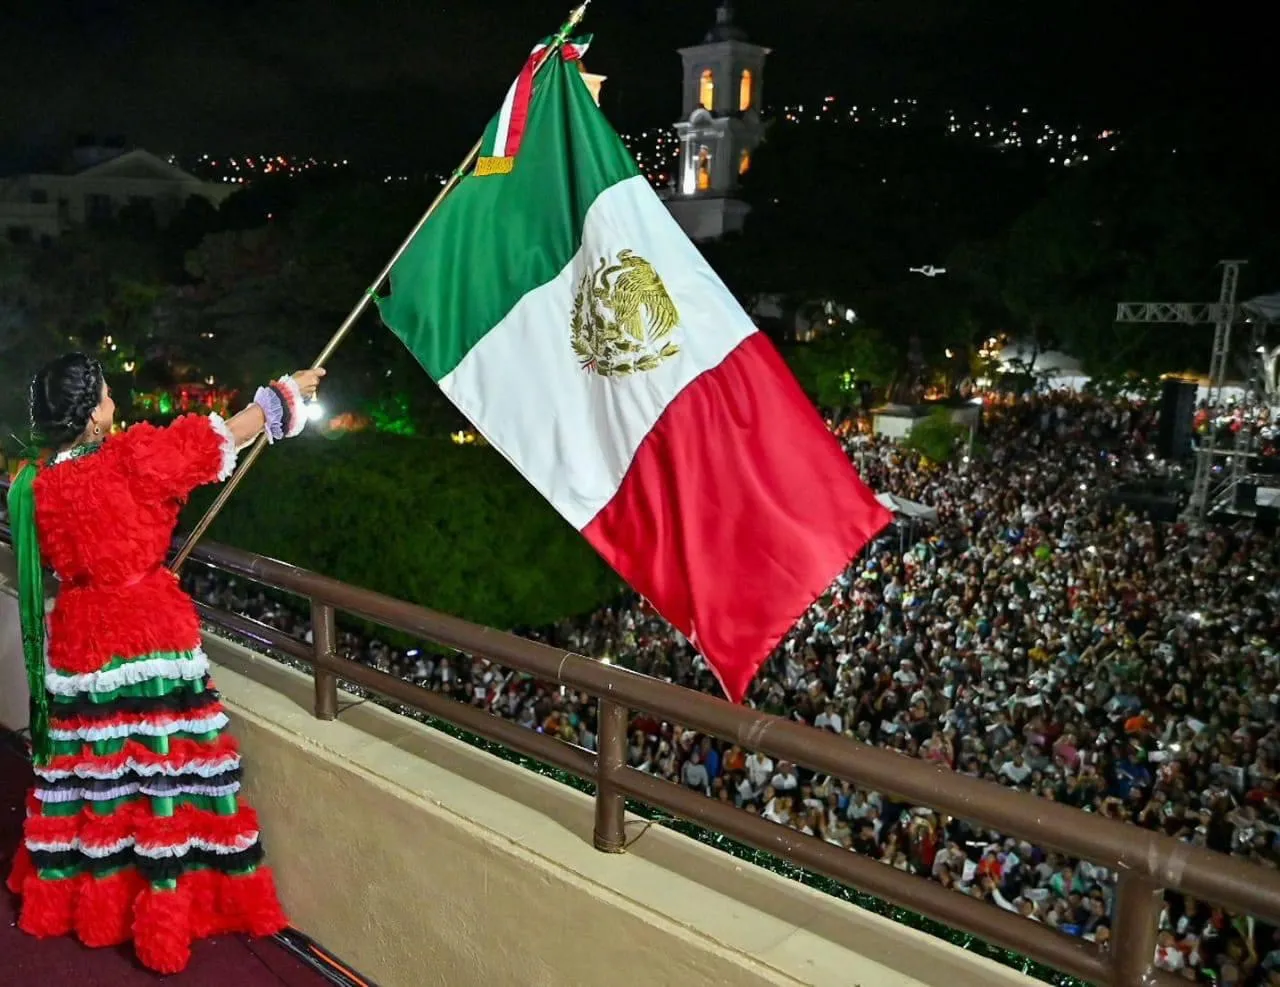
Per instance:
{"type": "Point", "coordinates": [92, 289]}
{"type": "Point", "coordinates": [937, 438]}
{"type": "Point", "coordinates": [450, 527]}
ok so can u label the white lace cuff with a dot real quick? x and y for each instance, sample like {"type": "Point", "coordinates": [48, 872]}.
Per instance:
{"type": "Point", "coordinates": [297, 406]}
{"type": "Point", "coordinates": [229, 450]}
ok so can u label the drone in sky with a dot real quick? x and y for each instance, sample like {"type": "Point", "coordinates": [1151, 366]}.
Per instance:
{"type": "Point", "coordinates": [929, 271]}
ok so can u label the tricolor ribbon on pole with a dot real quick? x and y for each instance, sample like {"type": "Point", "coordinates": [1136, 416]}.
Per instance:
{"type": "Point", "coordinates": [500, 157]}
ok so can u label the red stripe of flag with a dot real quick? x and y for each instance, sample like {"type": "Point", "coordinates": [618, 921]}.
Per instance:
{"type": "Point", "coordinates": [738, 511]}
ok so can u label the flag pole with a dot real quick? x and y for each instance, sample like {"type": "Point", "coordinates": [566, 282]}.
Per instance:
{"type": "Point", "coordinates": [260, 443]}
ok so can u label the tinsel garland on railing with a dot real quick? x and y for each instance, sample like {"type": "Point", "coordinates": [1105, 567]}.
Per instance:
{"type": "Point", "coordinates": [718, 841]}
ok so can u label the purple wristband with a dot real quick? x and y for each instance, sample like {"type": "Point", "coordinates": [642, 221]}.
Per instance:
{"type": "Point", "coordinates": [269, 401]}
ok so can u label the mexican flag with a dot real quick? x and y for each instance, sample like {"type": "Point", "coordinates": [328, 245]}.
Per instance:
{"type": "Point", "coordinates": [560, 307]}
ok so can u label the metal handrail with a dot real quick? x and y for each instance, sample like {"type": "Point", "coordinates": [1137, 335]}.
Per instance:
{"type": "Point", "coordinates": [1147, 862]}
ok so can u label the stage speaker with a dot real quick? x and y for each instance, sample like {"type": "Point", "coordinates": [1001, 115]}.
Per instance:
{"type": "Point", "coordinates": [1246, 496]}
{"type": "Point", "coordinates": [1155, 504]}
{"type": "Point", "coordinates": [1177, 408]}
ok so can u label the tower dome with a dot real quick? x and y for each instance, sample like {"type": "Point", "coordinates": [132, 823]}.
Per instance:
{"type": "Point", "coordinates": [725, 29]}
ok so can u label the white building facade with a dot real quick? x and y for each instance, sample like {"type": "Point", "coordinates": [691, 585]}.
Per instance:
{"type": "Point", "coordinates": [44, 206]}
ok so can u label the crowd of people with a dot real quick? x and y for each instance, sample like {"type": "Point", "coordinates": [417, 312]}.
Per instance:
{"type": "Point", "coordinates": [1037, 635]}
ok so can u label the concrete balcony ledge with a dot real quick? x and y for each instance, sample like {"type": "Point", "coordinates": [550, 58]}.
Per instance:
{"type": "Point", "coordinates": [423, 861]}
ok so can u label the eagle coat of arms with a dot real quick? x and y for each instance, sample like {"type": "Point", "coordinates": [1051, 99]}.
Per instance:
{"type": "Point", "coordinates": [623, 318]}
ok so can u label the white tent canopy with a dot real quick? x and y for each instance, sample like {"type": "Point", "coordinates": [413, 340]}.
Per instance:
{"type": "Point", "coordinates": [1264, 307]}
{"type": "Point", "coordinates": [909, 509]}
{"type": "Point", "coordinates": [1054, 363]}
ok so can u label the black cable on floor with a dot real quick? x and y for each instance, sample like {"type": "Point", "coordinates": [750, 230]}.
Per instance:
{"type": "Point", "coordinates": [320, 959]}
{"type": "Point", "coordinates": [264, 964]}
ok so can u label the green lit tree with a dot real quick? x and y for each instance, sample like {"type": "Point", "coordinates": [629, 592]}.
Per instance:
{"type": "Point", "coordinates": [937, 437]}
{"type": "Point", "coordinates": [830, 367]}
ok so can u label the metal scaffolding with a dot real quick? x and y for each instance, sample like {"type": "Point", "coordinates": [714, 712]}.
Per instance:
{"type": "Point", "coordinates": [1213, 485]}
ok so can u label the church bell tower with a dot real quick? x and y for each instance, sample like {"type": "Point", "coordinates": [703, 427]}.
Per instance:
{"type": "Point", "coordinates": [720, 128]}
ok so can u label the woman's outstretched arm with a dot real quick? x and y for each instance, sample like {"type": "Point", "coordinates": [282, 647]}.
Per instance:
{"type": "Point", "coordinates": [249, 423]}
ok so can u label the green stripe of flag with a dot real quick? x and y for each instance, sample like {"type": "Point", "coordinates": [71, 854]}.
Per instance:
{"type": "Point", "coordinates": [495, 238]}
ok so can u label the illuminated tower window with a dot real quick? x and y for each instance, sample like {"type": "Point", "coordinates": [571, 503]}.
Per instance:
{"type": "Point", "coordinates": [704, 169]}
{"type": "Point", "coordinates": [744, 162]}
{"type": "Point", "coordinates": [744, 91]}
{"type": "Point", "coordinates": [707, 90]}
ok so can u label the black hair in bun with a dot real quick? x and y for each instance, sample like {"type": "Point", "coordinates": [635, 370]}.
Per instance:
{"type": "Point", "coordinates": [63, 396]}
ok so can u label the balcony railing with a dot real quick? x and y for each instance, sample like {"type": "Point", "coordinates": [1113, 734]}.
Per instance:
{"type": "Point", "coordinates": [1147, 863]}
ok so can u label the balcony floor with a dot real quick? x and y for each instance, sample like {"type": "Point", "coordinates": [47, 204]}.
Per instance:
{"type": "Point", "coordinates": [223, 962]}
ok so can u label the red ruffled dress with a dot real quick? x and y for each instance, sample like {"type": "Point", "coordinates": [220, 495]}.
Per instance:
{"type": "Point", "coordinates": [134, 829]}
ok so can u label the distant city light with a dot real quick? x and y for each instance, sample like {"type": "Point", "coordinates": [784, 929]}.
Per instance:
{"type": "Point", "coordinates": [657, 149]}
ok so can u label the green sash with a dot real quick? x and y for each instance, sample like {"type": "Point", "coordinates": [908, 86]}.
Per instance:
{"type": "Point", "coordinates": [22, 520]}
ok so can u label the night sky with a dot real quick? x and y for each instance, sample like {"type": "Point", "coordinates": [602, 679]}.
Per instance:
{"type": "Point", "coordinates": [398, 81]}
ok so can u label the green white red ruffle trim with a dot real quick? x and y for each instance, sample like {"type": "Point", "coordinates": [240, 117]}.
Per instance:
{"type": "Point", "coordinates": [141, 727]}
{"type": "Point", "coordinates": [131, 789]}
{"type": "Point", "coordinates": [190, 666]}
{"type": "Point", "coordinates": [184, 757]}
{"type": "Point", "coordinates": [135, 828]}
